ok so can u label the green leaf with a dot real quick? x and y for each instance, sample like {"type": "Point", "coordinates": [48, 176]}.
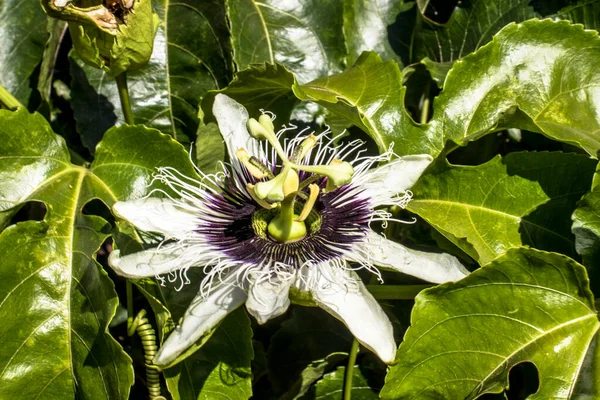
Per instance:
{"type": "Point", "coordinates": [471, 25]}
{"type": "Point", "coordinates": [221, 364]}
{"type": "Point", "coordinates": [303, 348]}
{"type": "Point", "coordinates": [210, 149]}
{"type": "Point", "coordinates": [522, 199]}
{"type": "Point", "coordinates": [542, 68]}
{"type": "Point", "coordinates": [56, 29]}
{"type": "Point", "coordinates": [332, 384]}
{"type": "Point", "coordinates": [260, 87]}
{"type": "Point", "coordinates": [191, 56]}
{"type": "Point", "coordinates": [22, 39]}
{"type": "Point", "coordinates": [366, 27]}
{"type": "Point", "coordinates": [370, 95]}
{"type": "Point", "coordinates": [527, 305]}
{"type": "Point", "coordinates": [586, 227]}
{"type": "Point", "coordinates": [303, 36]}
{"type": "Point", "coordinates": [127, 158]}
{"type": "Point", "coordinates": [55, 300]}
{"type": "Point", "coordinates": [585, 12]}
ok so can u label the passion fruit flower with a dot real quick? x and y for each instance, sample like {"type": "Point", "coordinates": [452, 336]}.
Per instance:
{"type": "Point", "coordinates": [282, 220]}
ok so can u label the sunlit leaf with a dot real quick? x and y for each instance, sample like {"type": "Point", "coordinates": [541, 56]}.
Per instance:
{"type": "Point", "coordinates": [542, 68]}
{"type": "Point", "coordinates": [370, 95]}
{"type": "Point", "coordinates": [366, 27]}
{"type": "Point", "coordinates": [331, 386]}
{"type": "Point", "coordinates": [527, 305]}
{"type": "Point", "coordinates": [522, 199]}
{"type": "Point", "coordinates": [56, 302]}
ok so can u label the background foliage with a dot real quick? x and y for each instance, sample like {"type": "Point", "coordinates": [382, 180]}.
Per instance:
{"type": "Point", "coordinates": [505, 95]}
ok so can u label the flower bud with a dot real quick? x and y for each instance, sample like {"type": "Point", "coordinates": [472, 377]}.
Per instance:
{"type": "Point", "coordinates": [114, 35]}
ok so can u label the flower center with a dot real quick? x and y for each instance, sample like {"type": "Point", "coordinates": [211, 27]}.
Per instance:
{"type": "Point", "coordinates": [288, 201]}
{"type": "Point", "coordinates": [269, 224]}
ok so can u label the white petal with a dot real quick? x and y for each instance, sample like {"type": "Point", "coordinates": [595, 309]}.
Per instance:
{"type": "Point", "coordinates": [341, 293]}
{"type": "Point", "coordinates": [268, 298]}
{"type": "Point", "coordinates": [232, 118]}
{"type": "Point", "coordinates": [203, 314]}
{"type": "Point", "coordinates": [147, 263]}
{"type": "Point", "coordinates": [383, 183]}
{"type": "Point", "coordinates": [431, 267]}
{"type": "Point", "coordinates": [157, 215]}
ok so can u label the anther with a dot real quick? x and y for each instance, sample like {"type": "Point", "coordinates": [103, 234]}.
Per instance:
{"type": "Point", "coordinates": [253, 165]}
{"type": "Point", "coordinates": [310, 203]}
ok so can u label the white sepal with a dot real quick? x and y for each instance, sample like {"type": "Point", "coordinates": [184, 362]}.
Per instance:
{"type": "Point", "coordinates": [431, 267]}
{"type": "Point", "coordinates": [201, 316]}
{"type": "Point", "coordinates": [157, 215]}
{"type": "Point", "coordinates": [341, 293]}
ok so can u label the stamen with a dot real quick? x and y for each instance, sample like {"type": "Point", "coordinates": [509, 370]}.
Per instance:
{"type": "Point", "coordinates": [273, 189]}
{"type": "Point", "coordinates": [291, 183]}
{"type": "Point", "coordinates": [261, 202]}
{"type": "Point", "coordinates": [306, 146]}
{"type": "Point", "coordinates": [310, 203]}
{"type": "Point", "coordinates": [252, 164]}
{"type": "Point", "coordinates": [338, 172]}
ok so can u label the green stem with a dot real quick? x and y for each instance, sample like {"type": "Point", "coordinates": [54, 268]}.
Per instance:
{"type": "Point", "coordinates": [8, 100]}
{"type": "Point", "coordinates": [396, 292]}
{"type": "Point", "coordinates": [124, 97]}
{"type": "Point", "coordinates": [129, 288]}
{"type": "Point", "coordinates": [426, 101]}
{"type": "Point", "coordinates": [347, 394]}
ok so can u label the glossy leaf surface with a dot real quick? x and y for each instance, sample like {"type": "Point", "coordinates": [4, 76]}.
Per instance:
{"type": "Point", "coordinates": [370, 95]}
{"type": "Point", "coordinates": [366, 27]}
{"type": "Point", "coordinates": [527, 305]}
{"type": "Point", "coordinates": [472, 24]}
{"type": "Point", "coordinates": [56, 301]}
{"type": "Point", "coordinates": [23, 36]}
{"type": "Point", "coordinates": [543, 68]}
{"type": "Point", "coordinates": [191, 56]}
{"type": "Point", "coordinates": [521, 199]}
{"type": "Point", "coordinates": [301, 34]}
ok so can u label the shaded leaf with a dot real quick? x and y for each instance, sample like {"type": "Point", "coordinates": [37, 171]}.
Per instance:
{"type": "Point", "coordinates": [56, 29]}
{"type": "Point", "coordinates": [304, 347]}
{"type": "Point", "coordinates": [542, 68]}
{"type": "Point", "coordinates": [191, 56]}
{"type": "Point", "coordinates": [586, 12]}
{"type": "Point", "coordinates": [527, 305]}
{"type": "Point", "coordinates": [370, 95]}
{"type": "Point", "coordinates": [55, 300]}
{"type": "Point", "coordinates": [303, 35]}
{"type": "Point", "coordinates": [586, 227]}
{"type": "Point", "coordinates": [22, 39]}
{"type": "Point", "coordinates": [332, 384]}
{"type": "Point", "coordinates": [260, 87]}
{"type": "Point", "coordinates": [521, 199]}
